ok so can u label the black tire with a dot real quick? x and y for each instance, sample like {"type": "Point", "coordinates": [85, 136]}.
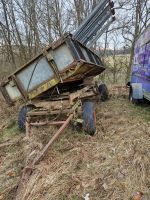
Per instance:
{"type": "Point", "coordinates": [103, 91]}
{"type": "Point", "coordinates": [89, 119]}
{"type": "Point", "coordinates": [131, 98]}
{"type": "Point", "coordinates": [22, 116]}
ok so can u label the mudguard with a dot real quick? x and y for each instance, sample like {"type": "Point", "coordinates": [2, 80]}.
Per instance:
{"type": "Point", "coordinates": [137, 90]}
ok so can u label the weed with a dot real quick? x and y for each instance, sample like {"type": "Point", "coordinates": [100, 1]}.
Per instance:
{"type": "Point", "coordinates": [9, 133]}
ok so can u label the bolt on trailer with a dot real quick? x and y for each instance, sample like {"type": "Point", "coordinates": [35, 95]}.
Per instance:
{"type": "Point", "coordinates": [139, 85]}
{"type": "Point", "coordinates": [57, 82]}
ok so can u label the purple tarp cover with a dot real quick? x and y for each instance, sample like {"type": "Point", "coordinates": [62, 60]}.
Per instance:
{"type": "Point", "coordinates": [141, 62]}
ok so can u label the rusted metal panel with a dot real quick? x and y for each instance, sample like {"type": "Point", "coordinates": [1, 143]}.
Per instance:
{"type": "Point", "coordinates": [20, 87]}
{"type": "Point", "coordinates": [42, 88]}
{"type": "Point", "coordinates": [62, 57]}
{"type": "Point", "coordinates": [13, 91]}
{"type": "Point", "coordinates": [6, 96]}
{"type": "Point", "coordinates": [31, 78]}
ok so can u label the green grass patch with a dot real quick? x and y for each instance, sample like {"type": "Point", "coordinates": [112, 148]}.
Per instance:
{"type": "Point", "coordinates": [9, 133]}
{"type": "Point", "coordinates": [141, 110]}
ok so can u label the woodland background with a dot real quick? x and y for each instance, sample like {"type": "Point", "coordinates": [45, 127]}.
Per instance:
{"type": "Point", "coordinates": [28, 26]}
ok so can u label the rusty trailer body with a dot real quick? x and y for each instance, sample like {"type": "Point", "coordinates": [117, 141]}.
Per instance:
{"type": "Point", "coordinates": [56, 86]}
{"type": "Point", "coordinates": [65, 61]}
{"type": "Point", "coordinates": [56, 79]}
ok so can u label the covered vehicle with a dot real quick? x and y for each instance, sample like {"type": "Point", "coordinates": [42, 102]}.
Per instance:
{"type": "Point", "coordinates": [140, 74]}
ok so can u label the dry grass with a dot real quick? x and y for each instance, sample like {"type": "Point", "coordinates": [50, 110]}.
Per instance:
{"type": "Point", "coordinates": [11, 151]}
{"type": "Point", "coordinates": [114, 164]}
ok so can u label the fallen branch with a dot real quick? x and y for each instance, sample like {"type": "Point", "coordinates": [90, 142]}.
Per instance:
{"type": "Point", "coordinates": [7, 143]}
{"type": "Point", "coordinates": [4, 125]}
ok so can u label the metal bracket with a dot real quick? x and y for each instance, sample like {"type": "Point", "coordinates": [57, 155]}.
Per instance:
{"type": "Point", "coordinates": [52, 63]}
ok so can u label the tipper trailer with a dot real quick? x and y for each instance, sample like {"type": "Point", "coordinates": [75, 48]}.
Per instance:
{"type": "Point", "coordinates": [57, 87]}
{"type": "Point", "coordinates": [57, 83]}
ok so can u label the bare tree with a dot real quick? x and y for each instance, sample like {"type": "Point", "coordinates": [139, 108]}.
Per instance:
{"type": "Point", "coordinates": [133, 22]}
{"type": "Point", "coordinates": [7, 33]}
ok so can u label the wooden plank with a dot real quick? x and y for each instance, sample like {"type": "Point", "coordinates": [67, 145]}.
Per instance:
{"type": "Point", "coordinates": [54, 105]}
{"type": "Point", "coordinates": [47, 123]}
{"type": "Point", "coordinates": [37, 113]}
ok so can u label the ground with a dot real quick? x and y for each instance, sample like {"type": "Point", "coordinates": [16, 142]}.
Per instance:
{"type": "Point", "coordinates": [113, 164]}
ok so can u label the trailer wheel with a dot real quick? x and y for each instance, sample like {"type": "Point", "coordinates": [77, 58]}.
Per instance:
{"type": "Point", "coordinates": [131, 98]}
{"type": "Point", "coordinates": [22, 116]}
{"type": "Point", "coordinates": [89, 117]}
{"type": "Point", "coordinates": [103, 90]}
